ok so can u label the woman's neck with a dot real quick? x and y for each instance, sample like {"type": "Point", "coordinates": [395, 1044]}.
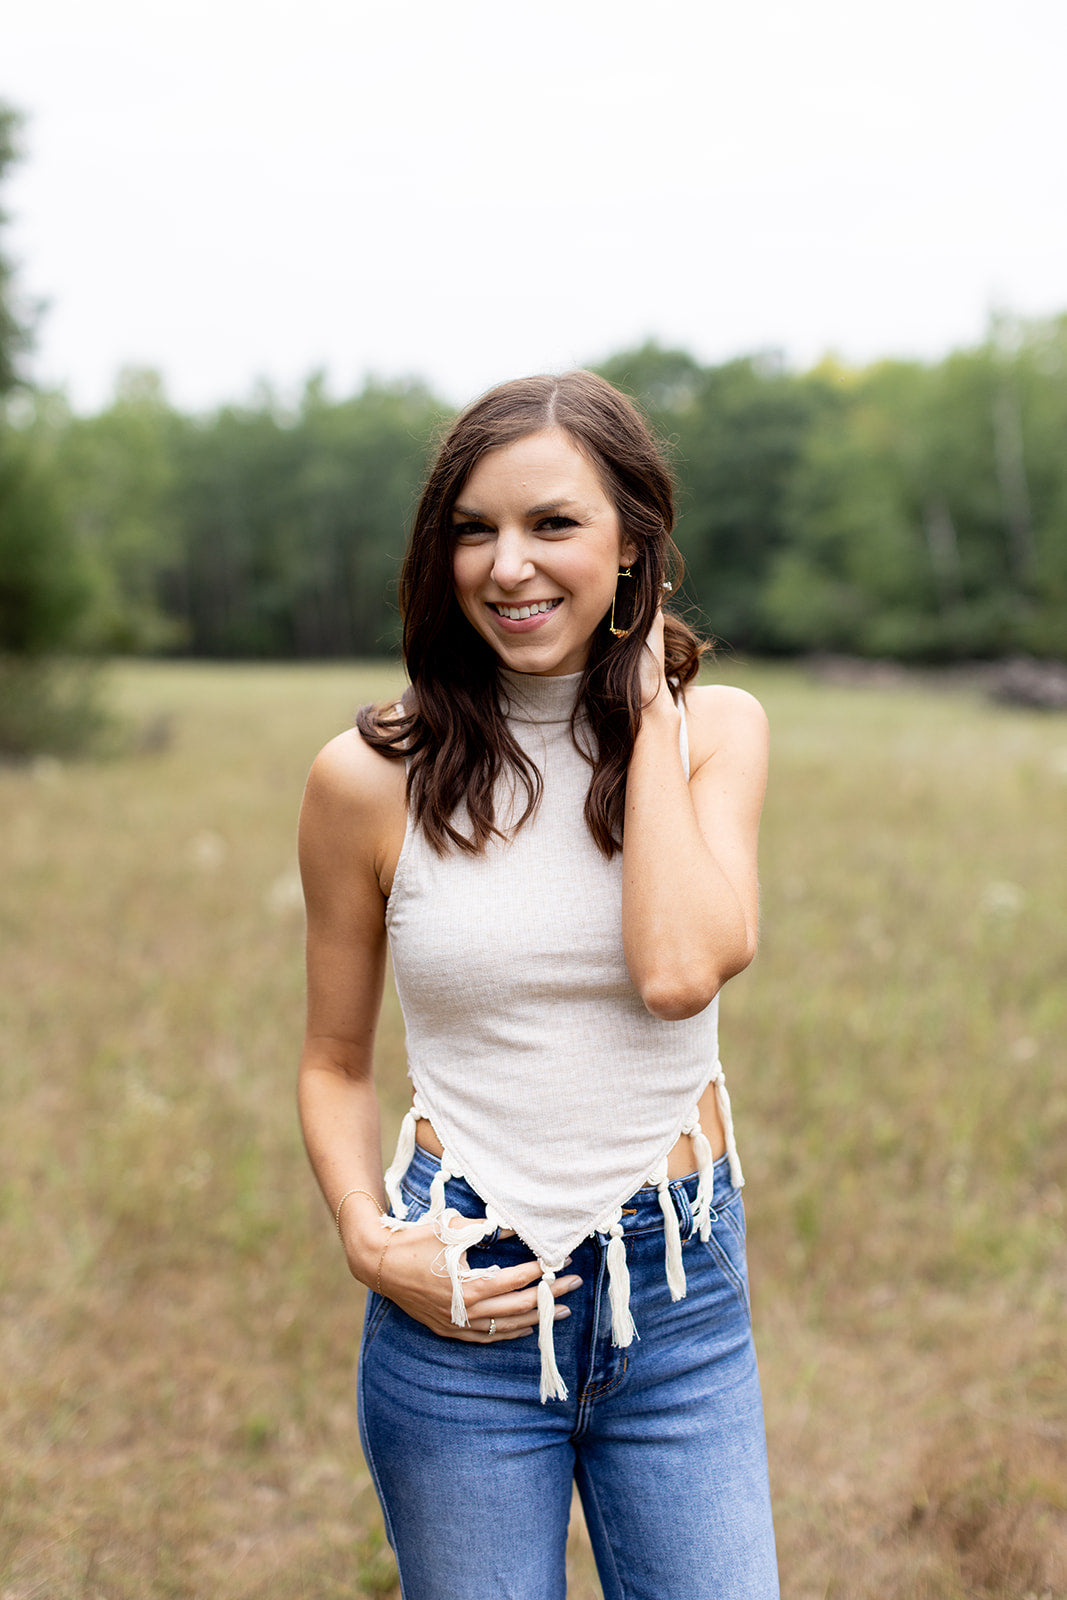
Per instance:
{"type": "Point", "coordinates": [538, 696]}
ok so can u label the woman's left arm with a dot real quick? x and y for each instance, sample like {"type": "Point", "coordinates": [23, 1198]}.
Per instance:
{"type": "Point", "coordinates": [690, 898]}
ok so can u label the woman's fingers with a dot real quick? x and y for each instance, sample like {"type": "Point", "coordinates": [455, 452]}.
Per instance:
{"type": "Point", "coordinates": [503, 1304]}
{"type": "Point", "coordinates": [512, 1293]}
{"type": "Point", "coordinates": [514, 1316]}
{"type": "Point", "coordinates": [517, 1306]}
{"type": "Point", "coordinates": [501, 1300]}
{"type": "Point", "coordinates": [653, 668]}
{"type": "Point", "coordinates": [507, 1280]}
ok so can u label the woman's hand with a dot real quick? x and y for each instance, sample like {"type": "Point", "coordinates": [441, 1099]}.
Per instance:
{"type": "Point", "coordinates": [411, 1274]}
{"type": "Point", "coordinates": [653, 670]}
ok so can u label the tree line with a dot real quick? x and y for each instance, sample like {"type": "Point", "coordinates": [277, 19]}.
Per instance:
{"type": "Point", "coordinates": [903, 509]}
{"type": "Point", "coordinates": [906, 509]}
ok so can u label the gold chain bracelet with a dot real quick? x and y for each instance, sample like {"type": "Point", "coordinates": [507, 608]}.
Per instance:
{"type": "Point", "coordinates": [347, 1196]}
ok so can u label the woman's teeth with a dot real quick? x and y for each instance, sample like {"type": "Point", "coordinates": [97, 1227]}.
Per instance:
{"type": "Point", "coordinates": [517, 613]}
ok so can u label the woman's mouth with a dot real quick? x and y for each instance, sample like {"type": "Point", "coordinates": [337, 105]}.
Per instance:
{"type": "Point", "coordinates": [521, 613]}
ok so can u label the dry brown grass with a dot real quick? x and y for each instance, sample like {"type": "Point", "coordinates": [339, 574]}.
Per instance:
{"type": "Point", "coordinates": [178, 1336]}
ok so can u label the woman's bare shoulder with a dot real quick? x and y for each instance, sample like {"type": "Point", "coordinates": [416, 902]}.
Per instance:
{"type": "Point", "coordinates": [350, 779]}
{"type": "Point", "coordinates": [725, 720]}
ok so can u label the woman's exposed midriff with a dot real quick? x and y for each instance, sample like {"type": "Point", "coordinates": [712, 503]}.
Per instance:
{"type": "Point", "coordinates": [681, 1161]}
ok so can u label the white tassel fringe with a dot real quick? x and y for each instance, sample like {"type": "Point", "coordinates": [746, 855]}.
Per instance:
{"type": "Point", "coordinates": [405, 1149]}
{"type": "Point", "coordinates": [722, 1094]}
{"type": "Point", "coordinates": [552, 1384]}
{"type": "Point", "coordinates": [457, 1240]}
{"type": "Point", "coordinates": [437, 1186]}
{"type": "Point", "coordinates": [453, 1257]}
{"type": "Point", "coordinates": [623, 1328]}
{"type": "Point", "coordinates": [671, 1235]}
{"type": "Point", "coordinates": [706, 1173]}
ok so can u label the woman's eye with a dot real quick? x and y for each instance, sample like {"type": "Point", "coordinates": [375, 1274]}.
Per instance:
{"type": "Point", "coordinates": [555, 524]}
{"type": "Point", "coordinates": [470, 532]}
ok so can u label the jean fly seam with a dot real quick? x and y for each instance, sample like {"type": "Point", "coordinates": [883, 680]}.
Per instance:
{"type": "Point", "coordinates": [606, 1387]}
{"type": "Point", "coordinates": [597, 1391]}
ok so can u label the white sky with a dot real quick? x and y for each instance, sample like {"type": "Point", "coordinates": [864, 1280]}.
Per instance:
{"type": "Point", "coordinates": [473, 189]}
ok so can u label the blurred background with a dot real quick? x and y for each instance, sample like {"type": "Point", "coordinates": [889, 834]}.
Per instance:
{"type": "Point", "coordinates": [252, 259]}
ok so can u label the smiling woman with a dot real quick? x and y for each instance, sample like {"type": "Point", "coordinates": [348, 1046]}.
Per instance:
{"type": "Point", "coordinates": [538, 551]}
{"type": "Point", "coordinates": [555, 832]}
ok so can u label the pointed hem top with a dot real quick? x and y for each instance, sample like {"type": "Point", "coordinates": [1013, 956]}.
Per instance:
{"type": "Point", "coordinates": [555, 1093]}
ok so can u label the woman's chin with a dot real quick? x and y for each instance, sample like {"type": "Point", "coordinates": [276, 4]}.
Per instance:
{"type": "Point", "coordinates": [540, 660]}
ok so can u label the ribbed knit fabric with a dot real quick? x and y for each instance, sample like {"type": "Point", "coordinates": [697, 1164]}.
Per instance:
{"type": "Point", "coordinates": [553, 1090]}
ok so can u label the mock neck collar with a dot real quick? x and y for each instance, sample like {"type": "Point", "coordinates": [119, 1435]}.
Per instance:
{"type": "Point", "coordinates": [537, 696]}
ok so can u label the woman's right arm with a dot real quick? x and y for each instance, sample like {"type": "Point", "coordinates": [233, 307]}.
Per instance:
{"type": "Point", "coordinates": [348, 822]}
{"type": "Point", "coordinates": [351, 827]}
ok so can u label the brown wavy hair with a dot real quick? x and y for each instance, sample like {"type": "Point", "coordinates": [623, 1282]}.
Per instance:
{"type": "Point", "coordinates": [451, 729]}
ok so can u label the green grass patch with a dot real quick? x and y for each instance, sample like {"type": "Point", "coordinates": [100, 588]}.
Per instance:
{"type": "Point", "coordinates": [179, 1331]}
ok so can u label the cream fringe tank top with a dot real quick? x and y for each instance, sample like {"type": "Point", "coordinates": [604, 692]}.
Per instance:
{"type": "Point", "coordinates": [554, 1092]}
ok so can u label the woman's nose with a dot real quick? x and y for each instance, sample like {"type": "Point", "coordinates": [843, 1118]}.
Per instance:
{"type": "Point", "coordinates": [512, 564]}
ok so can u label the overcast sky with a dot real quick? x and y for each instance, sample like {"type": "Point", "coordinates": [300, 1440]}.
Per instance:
{"type": "Point", "coordinates": [227, 189]}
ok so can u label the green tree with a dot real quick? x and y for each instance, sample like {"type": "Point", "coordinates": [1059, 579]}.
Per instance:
{"type": "Point", "coordinates": [14, 319]}
{"type": "Point", "coordinates": [736, 433]}
{"type": "Point", "coordinates": [927, 514]}
{"type": "Point", "coordinates": [852, 573]}
{"type": "Point", "coordinates": [362, 468]}
{"type": "Point", "coordinates": [289, 529]}
{"type": "Point", "coordinates": [44, 586]}
{"type": "Point", "coordinates": [1030, 428]}
{"type": "Point", "coordinates": [44, 582]}
{"type": "Point", "coordinates": [116, 475]}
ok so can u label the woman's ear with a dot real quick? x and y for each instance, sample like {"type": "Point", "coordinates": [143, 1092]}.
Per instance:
{"type": "Point", "coordinates": [628, 553]}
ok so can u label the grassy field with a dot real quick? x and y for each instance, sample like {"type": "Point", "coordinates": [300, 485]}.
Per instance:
{"type": "Point", "coordinates": [177, 1414]}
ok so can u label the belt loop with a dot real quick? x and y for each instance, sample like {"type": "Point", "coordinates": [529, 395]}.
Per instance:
{"type": "Point", "coordinates": [683, 1210]}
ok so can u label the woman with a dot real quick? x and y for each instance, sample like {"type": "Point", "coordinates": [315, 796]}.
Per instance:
{"type": "Point", "coordinates": [556, 835]}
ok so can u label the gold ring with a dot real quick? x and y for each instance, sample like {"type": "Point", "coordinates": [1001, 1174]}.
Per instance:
{"type": "Point", "coordinates": [492, 1326]}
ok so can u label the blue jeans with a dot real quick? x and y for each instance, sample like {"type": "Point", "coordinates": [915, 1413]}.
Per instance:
{"type": "Point", "coordinates": [664, 1439]}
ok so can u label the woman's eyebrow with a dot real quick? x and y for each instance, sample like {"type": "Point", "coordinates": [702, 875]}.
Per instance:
{"type": "Point", "coordinates": [553, 505]}
{"type": "Point", "coordinates": [549, 506]}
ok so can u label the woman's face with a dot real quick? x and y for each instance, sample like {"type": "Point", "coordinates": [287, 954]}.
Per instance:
{"type": "Point", "coordinates": [537, 552]}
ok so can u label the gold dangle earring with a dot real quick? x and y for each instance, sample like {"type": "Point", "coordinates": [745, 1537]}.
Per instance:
{"type": "Point", "coordinates": [620, 633]}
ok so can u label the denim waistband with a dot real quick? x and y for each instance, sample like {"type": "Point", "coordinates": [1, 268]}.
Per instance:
{"type": "Point", "coordinates": [642, 1213]}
